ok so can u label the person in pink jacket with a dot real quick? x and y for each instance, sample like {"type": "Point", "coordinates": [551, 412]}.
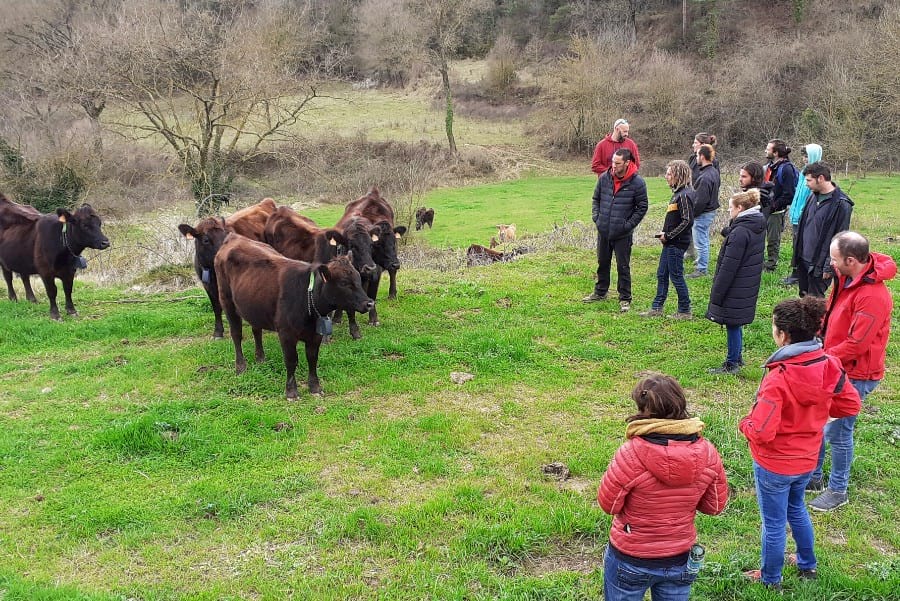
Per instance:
{"type": "Point", "coordinates": [657, 481]}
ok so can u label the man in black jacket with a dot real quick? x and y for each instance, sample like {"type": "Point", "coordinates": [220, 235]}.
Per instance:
{"type": "Point", "coordinates": [706, 204]}
{"type": "Point", "coordinates": [780, 171]}
{"type": "Point", "coordinates": [620, 203]}
{"type": "Point", "coordinates": [826, 213]}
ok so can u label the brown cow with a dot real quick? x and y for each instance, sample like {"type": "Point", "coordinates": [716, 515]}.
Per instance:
{"type": "Point", "coordinates": [480, 255]}
{"type": "Point", "coordinates": [47, 245]}
{"type": "Point", "coordinates": [298, 237]}
{"type": "Point", "coordinates": [290, 297]}
{"type": "Point", "coordinates": [208, 236]}
{"type": "Point", "coordinates": [424, 216]}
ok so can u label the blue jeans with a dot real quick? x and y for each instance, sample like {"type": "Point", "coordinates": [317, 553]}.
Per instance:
{"type": "Point", "coordinates": [623, 581]}
{"type": "Point", "coordinates": [700, 232]}
{"type": "Point", "coordinates": [780, 499]}
{"type": "Point", "coordinates": [671, 265]}
{"type": "Point", "coordinates": [735, 344]}
{"type": "Point", "coordinates": [839, 434]}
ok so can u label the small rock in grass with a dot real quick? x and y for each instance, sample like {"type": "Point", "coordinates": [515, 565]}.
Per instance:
{"type": "Point", "coordinates": [460, 377]}
{"type": "Point", "coordinates": [556, 470]}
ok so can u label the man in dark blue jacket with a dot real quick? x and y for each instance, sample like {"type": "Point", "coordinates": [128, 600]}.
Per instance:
{"type": "Point", "coordinates": [620, 203]}
{"type": "Point", "coordinates": [783, 175]}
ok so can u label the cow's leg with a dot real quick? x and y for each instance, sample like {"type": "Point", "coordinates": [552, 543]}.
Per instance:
{"type": "Point", "coordinates": [312, 361]}
{"type": "Point", "coordinates": [257, 341]}
{"type": "Point", "coordinates": [8, 276]}
{"type": "Point", "coordinates": [212, 291]}
{"type": "Point", "coordinates": [29, 293]}
{"type": "Point", "coordinates": [354, 327]}
{"type": "Point", "coordinates": [372, 291]}
{"type": "Point", "coordinates": [289, 350]}
{"type": "Point", "coordinates": [338, 315]}
{"type": "Point", "coordinates": [392, 291]}
{"type": "Point", "coordinates": [235, 325]}
{"type": "Point", "coordinates": [50, 286]}
{"type": "Point", "coordinates": [67, 282]}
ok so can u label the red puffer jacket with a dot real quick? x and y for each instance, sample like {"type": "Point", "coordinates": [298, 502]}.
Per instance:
{"type": "Point", "coordinates": [858, 321]}
{"type": "Point", "coordinates": [653, 488]}
{"type": "Point", "coordinates": [793, 403]}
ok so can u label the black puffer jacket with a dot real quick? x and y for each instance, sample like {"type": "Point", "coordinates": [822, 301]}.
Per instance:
{"type": "Point", "coordinates": [617, 214]}
{"type": "Point", "coordinates": [735, 288]}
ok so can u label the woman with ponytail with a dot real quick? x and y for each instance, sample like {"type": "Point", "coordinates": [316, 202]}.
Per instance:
{"type": "Point", "coordinates": [802, 387]}
{"type": "Point", "coordinates": [657, 481]}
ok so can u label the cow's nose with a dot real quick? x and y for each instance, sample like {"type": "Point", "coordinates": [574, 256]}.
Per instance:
{"type": "Point", "coordinates": [395, 265]}
{"type": "Point", "coordinates": [370, 304]}
{"type": "Point", "coordinates": [368, 268]}
{"type": "Point", "coordinates": [104, 244]}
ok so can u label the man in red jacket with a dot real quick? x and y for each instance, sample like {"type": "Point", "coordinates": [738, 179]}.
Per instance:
{"type": "Point", "coordinates": [619, 138]}
{"type": "Point", "coordinates": [856, 329]}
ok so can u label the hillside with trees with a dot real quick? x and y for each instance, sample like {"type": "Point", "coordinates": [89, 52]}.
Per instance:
{"type": "Point", "coordinates": [208, 95]}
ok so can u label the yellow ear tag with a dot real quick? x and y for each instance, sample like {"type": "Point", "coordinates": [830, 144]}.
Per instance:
{"type": "Point", "coordinates": [62, 218]}
{"type": "Point", "coordinates": [374, 238]}
{"type": "Point", "coordinates": [332, 242]}
{"type": "Point", "coordinates": [189, 236]}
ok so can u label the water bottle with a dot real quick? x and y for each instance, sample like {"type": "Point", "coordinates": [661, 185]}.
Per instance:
{"type": "Point", "coordinates": [695, 558]}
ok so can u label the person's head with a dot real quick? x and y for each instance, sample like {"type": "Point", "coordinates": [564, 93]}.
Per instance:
{"type": "Point", "coordinates": [703, 138]}
{"type": "Point", "coordinates": [751, 175]}
{"type": "Point", "coordinates": [849, 253]}
{"type": "Point", "coordinates": [620, 130]}
{"type": "Point", "coordinates": [797, 319]}
{"type": "Point", "coordinates": [777, 149]}
{"type": "Point", "coordinates": [742, 201]}
{"type": "Point", "coordinates": [818, 177]}
{"type": "Point", "coordinates": [620, 161]}
{"type": "Point", "coordinates": [705, 154]}
{"type": "Point", "coordinates": [659, 396]}
{"type": "Point", "coordinates": [678, 174]}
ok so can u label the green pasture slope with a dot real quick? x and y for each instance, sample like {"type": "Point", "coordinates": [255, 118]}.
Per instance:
{"type": "Point", "coordinates": [134, 463]}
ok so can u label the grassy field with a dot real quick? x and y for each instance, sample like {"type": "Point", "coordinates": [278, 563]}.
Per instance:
{"type": "Point", "coordinates": [134, 463]}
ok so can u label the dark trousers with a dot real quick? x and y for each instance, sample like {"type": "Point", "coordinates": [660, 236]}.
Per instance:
{"type": "Point", "coordinates": [808, 283]}
{"type": "Point", "coordinates": [794, 229]}
{"type": "Point", "coordinates": [621, 248]}
{"type": "Point", "coordinates": [774, 227]}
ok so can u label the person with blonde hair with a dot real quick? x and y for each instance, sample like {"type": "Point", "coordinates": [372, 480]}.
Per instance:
{"type": "Point", "coordinates": [675, 238]}
{"type": "Point", "coordinates": [735, 289]}
{"type": "Point", "coordinates": [655, 484]}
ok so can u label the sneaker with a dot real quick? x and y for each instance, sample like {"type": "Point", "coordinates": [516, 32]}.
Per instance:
{"type": "Point", "coordinates": [697, 273]}
{"type": "Point", "coordinates": [815, 485]}
{"type": "Point", "coordinates": [624, 306]}
{"type": "Point", "coordinates": [729, 369]}
{"type": "Point", "coordinates": [593, 297]}
{"type": "Point", "coordinates": [790, 281]}
{"type": "Point", "coordinates": [653, 312]}
{"type": "Point", "coordinates": [829, 500]}
{"type": "Point", "coordinates": [807, 574]}
{"type": "Point", "coordinates": [682, 315]}
{"type": "Point", "coordinates": [756, 576]}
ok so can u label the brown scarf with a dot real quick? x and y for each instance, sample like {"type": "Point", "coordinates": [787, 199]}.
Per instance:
{"type": "Point", "coordinates": [642, 427]}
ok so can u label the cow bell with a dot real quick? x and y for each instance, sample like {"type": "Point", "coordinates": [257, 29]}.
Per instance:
{"type": "Point", "coordinates": [204, 276]}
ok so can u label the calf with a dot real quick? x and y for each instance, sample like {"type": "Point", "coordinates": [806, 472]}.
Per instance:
{"type": "Point", "coordinates": [208, 236]}
{"type": "Point", "coordinates": [290, 297]}
{"type": "Point", "coordinates": [424, 216]}
{"type": "Point", "coordinates": [506, 233]}
{"type": "Point", "coordinates": [48, 245]}
{"type": "Point", "coordinates": [479, 255]}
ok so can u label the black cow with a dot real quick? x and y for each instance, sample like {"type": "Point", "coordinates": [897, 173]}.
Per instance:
{"type": "Point", "coordinates": [48, 245]}
{"type": "Point", "coordinates": [424, 216]}
{"type": "Point", "coordinates": [272, 292]}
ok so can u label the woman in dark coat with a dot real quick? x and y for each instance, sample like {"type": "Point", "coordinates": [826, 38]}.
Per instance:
{"type": "Point", "coordinates": [735, 289]}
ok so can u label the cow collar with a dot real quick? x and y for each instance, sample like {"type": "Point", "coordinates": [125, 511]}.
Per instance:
{"type": "Point", "coordinates": [311, 305]}
{"type": "Point", "coordinates": [79, 260]}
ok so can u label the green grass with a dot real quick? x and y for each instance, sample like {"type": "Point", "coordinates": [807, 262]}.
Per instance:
{"type": "Point", "coordinates": [134, 463]}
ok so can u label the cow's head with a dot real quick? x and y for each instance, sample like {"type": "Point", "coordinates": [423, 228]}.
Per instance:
{"type": "Point", "coordinates": [82, 228]}
{"type": "Point", "coordinates": [384, 251]}
{"type": "Point", "coordinates": [342, 288]}
{"type": "Point", "coordinates": [361, 236]}
{"type": "Point", "coordinates": [208, 237]}
{"type": "Point", "coordinates": [334, 242]}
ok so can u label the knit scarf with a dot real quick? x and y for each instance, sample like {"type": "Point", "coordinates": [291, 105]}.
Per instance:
{"type": "Point", "coordinates": [642, 427]}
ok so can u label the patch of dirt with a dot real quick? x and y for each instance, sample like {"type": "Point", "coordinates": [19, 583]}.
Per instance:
{"type": "Point", "coordinates": [581, 558]}
{"type": "Point", "coordinates": [504, 302]}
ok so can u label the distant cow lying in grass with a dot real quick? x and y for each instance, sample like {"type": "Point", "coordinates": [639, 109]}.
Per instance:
{"type": "Point", "coordinates": [272, 292]}
{"type": "Point", "coordinates": [506, 233]}
{"type": "Point", "coordinates": [480, 255]}
{"type": "Point", "coordinates": [424, 216]}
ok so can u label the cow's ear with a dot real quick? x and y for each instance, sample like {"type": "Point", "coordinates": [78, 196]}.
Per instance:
{"type": "Point", "coordinates": [335, 238]}
{"type": "Point", "coordinates": [400, 230]}
{"type": "Point", "coordinates": [188, 232]}
{"type": "Point", "coordinates": [323, 271]}
{"type": "Point", "coordinates": [64, 215]}
{"type": "Point", "coordinates": [374, 233]}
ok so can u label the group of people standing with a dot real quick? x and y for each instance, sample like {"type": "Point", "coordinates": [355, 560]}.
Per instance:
{"type": "Point", "coordinates": [830, 355]}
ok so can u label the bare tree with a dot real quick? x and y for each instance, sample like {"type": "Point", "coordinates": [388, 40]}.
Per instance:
{"type": "Point", "coordinates": [204, 82]}
{"type": "Point", "coordinates": [390, 40]}
{"type": "Point", "coordinates": [443, 22]}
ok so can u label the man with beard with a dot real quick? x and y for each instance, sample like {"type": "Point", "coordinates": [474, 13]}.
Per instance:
{"type": "Point", "coordinates": [780, 171]}
{"type": "Point", "coordinates": [619, 138]}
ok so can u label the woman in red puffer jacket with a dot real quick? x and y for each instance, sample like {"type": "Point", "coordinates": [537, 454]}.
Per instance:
{"type": "Point", "coordinates": [654, 486]}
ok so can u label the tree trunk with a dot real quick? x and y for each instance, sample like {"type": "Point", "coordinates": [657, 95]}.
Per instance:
{"type": "Point", "coordinates": [448, 120]}
{"type": "Point", "coordinates": [684, 21]}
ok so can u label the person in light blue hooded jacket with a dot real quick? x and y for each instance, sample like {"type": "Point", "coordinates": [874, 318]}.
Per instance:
{"type": "Point", "coordinates": [813, 153]}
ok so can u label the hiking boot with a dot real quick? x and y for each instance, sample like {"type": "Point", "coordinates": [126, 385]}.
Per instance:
{"type": "Point", "coordinates": [593, 297]}
{"type": "Point", "coordinates": [697, 273]}
{"type": "Point", "coordinates": [653, 312]}
{"type": "Point", "coordinates": [815, 485]}
{"type": "Point", "coordinates": [829, 500]}
{"type": "Point", "coordinates": [729, 369]}
{"type": "Point", "coordinates": [756, 576]}
{"type": "Point", "coordinates": [769, 267]}
{"type": "Point", "coordinates": [807, 574]}
{"type": "Point", "coordinates": [790, 281]}
{"type": "Point", "coordinates": [624, 306]}
{"type": "Point", "coordinates": [682, 315]}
